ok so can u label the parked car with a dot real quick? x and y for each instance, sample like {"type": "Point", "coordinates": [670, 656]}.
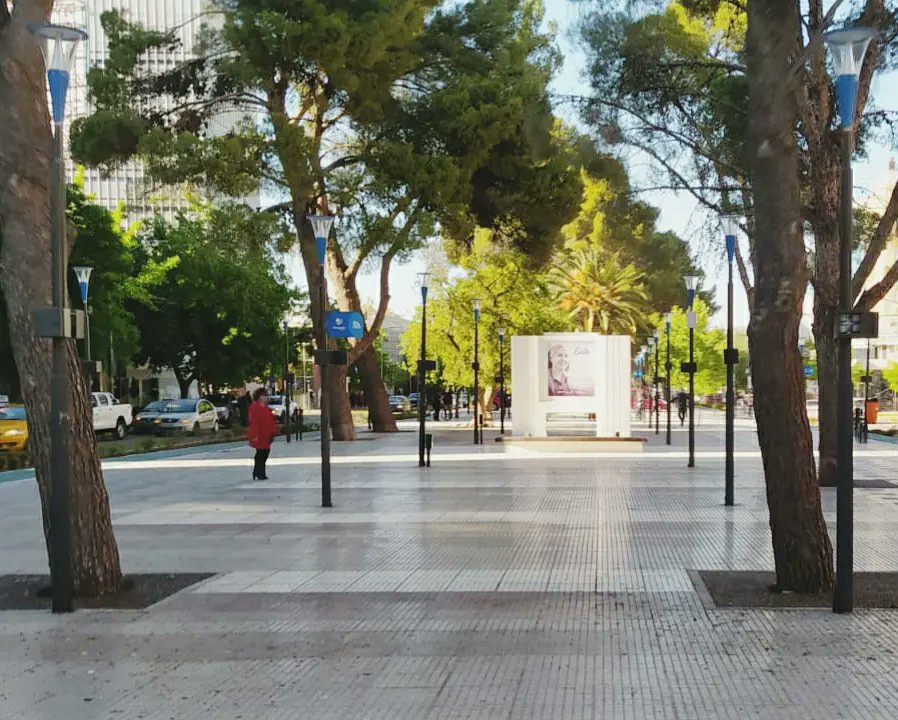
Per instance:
{"type": "Point", "coordinates": [226, 408]}
{"type": "Point", "coordinates": [278, 405]}
{"type": "Point", "coordinates": [413, 400]}
{"type": "Point", "coordinates": [170, 417]}
{"type": "Point", "coordinates": [400, 404]}
{"type": "Point", "coordinates": [110, 415]}
{"type": "Point", "coordinates": [13, 428]}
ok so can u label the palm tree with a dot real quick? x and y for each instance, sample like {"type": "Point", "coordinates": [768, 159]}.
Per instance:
{"type": "Point", "coordinates": [598, 292]}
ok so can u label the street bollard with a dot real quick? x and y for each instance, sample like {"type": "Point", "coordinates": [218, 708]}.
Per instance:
{"type": "Point", "coordinates": [428, 446]}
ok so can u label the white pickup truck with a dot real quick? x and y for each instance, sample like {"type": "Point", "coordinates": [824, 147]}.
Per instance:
{"type": "Point", "coordinates": [110, 415]}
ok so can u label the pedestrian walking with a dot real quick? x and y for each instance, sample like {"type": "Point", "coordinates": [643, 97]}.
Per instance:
{"type": "Point", "coordinates": [263, 428]}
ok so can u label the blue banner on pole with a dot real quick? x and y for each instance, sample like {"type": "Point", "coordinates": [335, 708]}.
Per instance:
{"type": "Point", "coordinates": [639, 374]}
{"type": "Point", "coordinates": [345, 325]}
{"type": "Point", "coordinates": [808, 370]}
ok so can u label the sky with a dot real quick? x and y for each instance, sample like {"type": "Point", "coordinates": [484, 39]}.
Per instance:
{"type": "Point", "coordinates": [679, 212]}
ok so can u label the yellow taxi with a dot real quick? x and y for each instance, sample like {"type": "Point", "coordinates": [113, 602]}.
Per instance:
{"type": "Point", "coordinates": [13, 428]}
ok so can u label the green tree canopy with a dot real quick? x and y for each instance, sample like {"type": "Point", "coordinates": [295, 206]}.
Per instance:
{"type": "Point", "coordinates": [216, 315]}
{"type": "Point", "coordinates": [709, 346]}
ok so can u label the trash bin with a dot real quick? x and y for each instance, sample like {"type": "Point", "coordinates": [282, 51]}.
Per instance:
{"type": "Point", "coordinates": [872, 411]}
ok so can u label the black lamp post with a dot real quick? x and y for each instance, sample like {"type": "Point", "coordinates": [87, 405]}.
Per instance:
{"type": "Point", "coordinates": [731, 359]}
{"type": "Point", "coordinates": [848, 48]}
{"type": "Point", "coordinates": [502, 380]}
{"type": "Point", "coordinates": [667, 368]}
{"type": "Point", "coordinates": [691, 283]}
{"type": "Point", "coordinates": [321, 225]}
{"type": "Point", "coordinates": [476, 366]}
{"type": "Point", "coordinates": [657, 402]}
{"type": "Point", "coordinates": [58, 322]}
{"type": "Point", "coordinates": [289, 418]}
{"type": "Point", "coordinates": [422, 371]}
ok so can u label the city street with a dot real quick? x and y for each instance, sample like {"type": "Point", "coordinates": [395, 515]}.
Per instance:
{"type": "Point", "coordinates": [500, 583]}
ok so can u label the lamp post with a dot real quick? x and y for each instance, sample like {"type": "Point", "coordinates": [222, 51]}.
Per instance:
{"type": "Point", "coordinates": [321, 226]}
{"type": "Point", "coordinates": [58, 322]}
{"type": "Point", "coordinates": [422, 375]}
{"type": "Point", "coordinates": [867, 379]}
{"type": "Point", "coordinates": [657, 386]}
{"type": "Point", "coordinates": [731, 359]}
{"type": "Point", "coordinates": [667, 368]}
{"type": "Point", "coordinates": [476, 366]}
{"type": "Point", "coordinates": [502, 379]}
{"type": "Point", "coordinates": [691, 284]}
{"type": "Point", "coordinates": [848, 48]}
{"type": "Point", "coordinates": [289, 417]}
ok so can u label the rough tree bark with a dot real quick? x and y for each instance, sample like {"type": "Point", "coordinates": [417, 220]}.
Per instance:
{"type": "Point", "coordinates": [801, 546]}
{"type": "Point", "coordinates": [376, 397]}
{"type": "Point", "coordinates": [25, 282]}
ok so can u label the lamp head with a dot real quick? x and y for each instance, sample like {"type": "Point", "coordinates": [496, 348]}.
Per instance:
{"type": "Point", "coordinates": [321, 227]}
{"type": "Point", "coordinates": [668, 317]}
{"type": "Point", "coordinates": [502, 333]}
{"type": "Point", "coordinates": [82, 272]}
{"type": "Point", "coordinates": [476, 309]}
{"type": "Point", "coordinates": [424, 278]}
{"type": "Point", "coordinates": [691, 287]}
{"type": "Point", "coordinates": [730, 225]}
{"type": "Point", "coordinates": [58, 43]}
{"type": "Point", "coordinates": [848, 48]}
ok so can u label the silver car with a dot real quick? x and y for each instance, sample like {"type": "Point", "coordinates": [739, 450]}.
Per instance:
{"type": "Point", "coordinates": [171, 417]}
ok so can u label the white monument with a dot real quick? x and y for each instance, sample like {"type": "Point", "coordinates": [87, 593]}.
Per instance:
{"type": "Point", "coordinates": [571, 373]}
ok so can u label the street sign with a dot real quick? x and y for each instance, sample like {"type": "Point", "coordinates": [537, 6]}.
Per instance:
{"type": "Point", "coordinates": [345, 325]}
{"type": "Point", "coordinates": [808, 371]}
{"type": "Point", "coordinates": [639, 374]}
{"type": "Point", "coordinates": [857, 325]}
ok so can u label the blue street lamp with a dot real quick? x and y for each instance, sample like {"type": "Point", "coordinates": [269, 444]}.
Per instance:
{"type": "Point", "coordinates": [501, 331]}
{"type": "Point", "coordinates": [422, 371]}
{"type": "Point", "coordinates": [58, 44]}
{"type": "Point", "coordinates": [657, 341]}
{"type": "Point", "coordinates": [730, 225]}
{"type": "Point", "coordinates": [848, 48]}
{"type": "Point", "coordinates": [691, 289]}
{"type": "Point", "coordinates": [83, 272]}
{"type": "Point", "coordinates": [321, 227]}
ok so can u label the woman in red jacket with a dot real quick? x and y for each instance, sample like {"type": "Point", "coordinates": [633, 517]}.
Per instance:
{"type": "Point", "coordinates": [263, 428]}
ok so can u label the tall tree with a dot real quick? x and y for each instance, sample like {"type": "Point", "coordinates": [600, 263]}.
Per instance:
{"type": "Point", "coordinates": [405, 108]}
{"type": "Point", "coordinates": [25, 147]}
{"type": "Point", "coordinates": [801, 546]}
{"type": "Point", "coordinates": [673, 84]}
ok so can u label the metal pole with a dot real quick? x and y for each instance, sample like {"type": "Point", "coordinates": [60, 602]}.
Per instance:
{"type": "Point", "coordinates": [61, 515]}
{"type": "Point", "coordinates": [691, 397]}
{"type": "Point", "coordinates": [289, 414]}
{"type": "Point", "coordinates": [476, 377]}
{"type": "Point", "coordinates": [657, 392]}
{"type": "Point", "coordinates": [422, 380]}
{"type": "Point", "coordinates": [501, 385]}
{"type": "Point", "coordinates": [843, 596]}
{"type": "Point", "coordinates": [325, 404]}
{"type": "Point", "coordinates": [667, 367]}
{"type": "Point", "coordinates": [866, 392]}
{"type": "Point", "coordinates": [729, 471]}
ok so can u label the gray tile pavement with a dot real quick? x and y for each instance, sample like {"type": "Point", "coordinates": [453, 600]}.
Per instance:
{"type": "Point", "coordinates": [501, 583]}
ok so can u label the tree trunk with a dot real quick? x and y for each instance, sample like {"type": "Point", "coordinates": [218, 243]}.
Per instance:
{"type": "Point", "coordinates": [184, 384]}
{"type": "Point", "coordinates": [376, 397]}
{"type": "Point", "coordinates": [801, 547]}
{"type": "Point", "coordinates": [342, 426]}
{"type": "Point", "coordinates": [25, 281]}
{"type": "Point", "coordinates": [827, 381]}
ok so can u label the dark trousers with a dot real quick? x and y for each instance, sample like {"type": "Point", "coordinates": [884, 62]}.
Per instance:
{"type": "Point", "coordinates": [261, 458]}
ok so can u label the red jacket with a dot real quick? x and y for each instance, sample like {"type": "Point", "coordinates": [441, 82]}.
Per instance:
{"type": "Point", "coordinates": [263, 428]}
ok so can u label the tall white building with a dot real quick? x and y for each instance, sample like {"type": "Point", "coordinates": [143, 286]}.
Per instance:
{"type": "Point", "coordinates": [127, 184]}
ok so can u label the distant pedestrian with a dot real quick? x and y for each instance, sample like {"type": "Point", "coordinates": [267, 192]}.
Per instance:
{"type": "Point", "coordinates": [263, 428]}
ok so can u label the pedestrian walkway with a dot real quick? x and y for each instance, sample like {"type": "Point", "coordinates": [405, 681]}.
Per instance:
{"type": "Point", "coordinates": [499, 583]}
